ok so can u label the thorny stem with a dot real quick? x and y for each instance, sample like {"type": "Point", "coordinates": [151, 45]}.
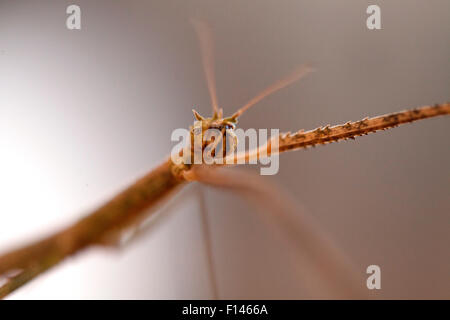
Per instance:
{"type": "Point", "coordinates": [104, 225]}
{"type": "Point", "coordinates": [350, 130]}
{"type": "Point", "coordinates": [324, 135]}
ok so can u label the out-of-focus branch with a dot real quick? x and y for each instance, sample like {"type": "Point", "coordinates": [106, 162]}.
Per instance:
{"type": "Point", "coordinates": [104, 226]}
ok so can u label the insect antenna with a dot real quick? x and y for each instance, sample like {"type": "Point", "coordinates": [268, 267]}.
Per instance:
{"type": "Point", "coordinates": [297, 74]}
{"type": "Point", "coordinates": [206, 43]}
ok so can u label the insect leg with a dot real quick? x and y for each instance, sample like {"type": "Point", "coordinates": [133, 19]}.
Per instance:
{"type": "Point", "coordinates": [332, 266]}
{"type": "Point", "coordinates": [207, 239]}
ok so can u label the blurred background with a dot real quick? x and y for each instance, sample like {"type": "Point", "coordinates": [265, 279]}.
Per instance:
{"type": "Point", "coordinates": [83, 113]}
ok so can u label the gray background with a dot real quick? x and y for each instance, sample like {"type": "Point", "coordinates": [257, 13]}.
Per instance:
{"type": "Point", "coordinates": [84, 113]}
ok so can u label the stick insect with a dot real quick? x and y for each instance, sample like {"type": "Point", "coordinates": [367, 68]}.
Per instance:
{"type": "Point", "coordinates": [105, 225]}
